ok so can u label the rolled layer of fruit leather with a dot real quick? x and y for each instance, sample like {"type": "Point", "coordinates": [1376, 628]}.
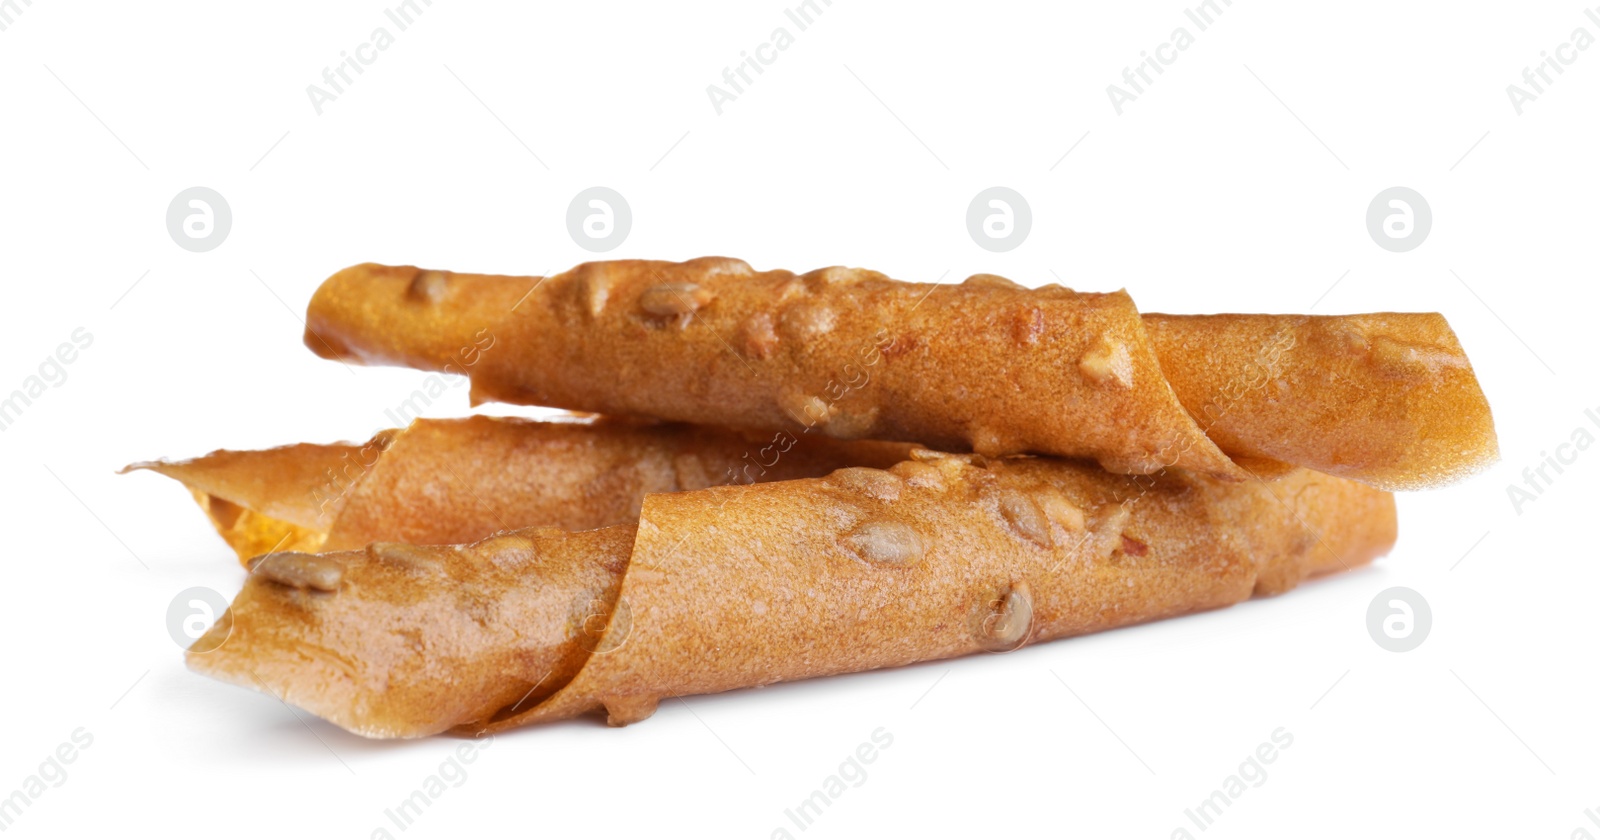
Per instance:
{"type": "Point", "coordinates": [985, 365]}
{"type": "Point", "coordinates": [733, 587]}
{"type": "Point", "coordinates": [460, 480]}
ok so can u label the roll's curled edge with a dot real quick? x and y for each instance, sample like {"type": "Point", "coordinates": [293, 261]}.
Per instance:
{"type": "Point", "coordinates": [739, 586]}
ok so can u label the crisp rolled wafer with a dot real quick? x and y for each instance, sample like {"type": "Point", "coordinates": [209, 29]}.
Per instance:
{"type": "Point", "coordinates": [457, 481]}
{"type": "Point", "coordinates": [985, 365]}
{"type": "Point", "coordinates": [732, 587]}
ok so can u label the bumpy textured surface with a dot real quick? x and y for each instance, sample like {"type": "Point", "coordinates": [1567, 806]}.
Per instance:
{"type": "Point", "coordinates": [738, 586]}
{"type": "Point", "coordinates": [457, 481]}
{"type": "Point", "coordinates": [985, 365]}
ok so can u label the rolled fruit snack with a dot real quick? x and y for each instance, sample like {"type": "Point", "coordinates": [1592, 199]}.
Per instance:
{"type": "Point", "coordinates": [738, 586]}
{"type": "Point", "coordinates": [458, 481]}
{"type": "Point", "coordinates": [986, 365]}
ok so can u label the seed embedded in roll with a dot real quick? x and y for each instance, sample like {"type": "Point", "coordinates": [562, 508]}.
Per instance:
{"type": "Point", "coordinates": [429, 285]}
{"type": "Point", "coordinates": [882, 485]}
{"type": "Point", "coordinates": [300, 570]}
{"type": "Point", "coordinates": [1107, 364]}
{"type": "Point", "coordinates": [1025, 517]}
{"type": "Point", "coordinates": [886, 541]}
{"type": "Point", "coordinates": [1009, 619]}
{"type": "Point", "coordinates": [670, 299]}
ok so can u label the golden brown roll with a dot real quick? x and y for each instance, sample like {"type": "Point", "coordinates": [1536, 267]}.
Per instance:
{"type": "Point", "coordinates": [738, 586]}
{"type": "Point", "coordinates": [457, 481]}
{"type": "Point", "coordinates": [985, 365]}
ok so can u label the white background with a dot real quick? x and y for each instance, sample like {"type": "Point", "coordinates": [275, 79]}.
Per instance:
{"type": "Point", "coordinates": [1207, 194]}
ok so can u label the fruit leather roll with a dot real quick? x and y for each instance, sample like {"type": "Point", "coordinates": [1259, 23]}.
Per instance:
{"type": "Point", "coordinates": [738, 586]}
{"type": "Point", "coordinates": [456, 481]}
{"type": "Point", "coordinates": [985, 365]}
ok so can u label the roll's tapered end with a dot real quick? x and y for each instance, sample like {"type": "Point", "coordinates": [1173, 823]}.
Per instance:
{"type": "Point", "coordinates": [405, 641]}
{"type": "Point", "coordinates": [1389, 399]}
{"type": "Point", "coordinates": [403, 315]}
{"type": "Point", "coordinates": [305, 646]}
